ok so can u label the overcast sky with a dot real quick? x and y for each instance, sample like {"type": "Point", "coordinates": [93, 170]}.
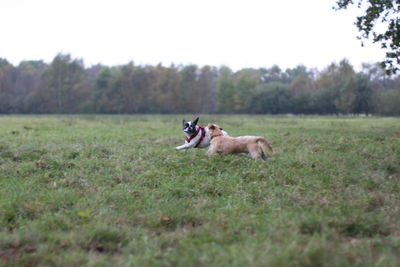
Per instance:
{"type": "Point", "coordinates": [248, 33]}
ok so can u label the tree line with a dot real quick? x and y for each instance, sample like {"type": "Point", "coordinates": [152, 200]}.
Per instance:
{"type": "Point", "coordinates": [66, 86]}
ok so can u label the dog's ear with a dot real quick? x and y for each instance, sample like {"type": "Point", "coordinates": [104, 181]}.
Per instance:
{"type": "Point", "coordinates": [211, 126]}
{"type": "Point", "coordinates": [220, 128]}
{"type": "Point", "coordinates": [183, 122]}
{"type": "Point", "coordinates": [196, 120]}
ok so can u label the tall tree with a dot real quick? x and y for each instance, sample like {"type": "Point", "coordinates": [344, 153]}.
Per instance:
{"type": "Point", "coordinates": [190, 93]}
{"type": "Point", "coordinates": [355, 96]}
{"type": "Point", "coordinates": [102, 82]}
{"type": "Point", "coordinates": [328, 86]}
{"type": "Point", "coordinates": [334, 74]}
{"type": "Point", "coordinates": [300, 84]}
{"type": "Point", "coordinates": [7, 88]}
{"type": "Point", "coordinates": [246, 83]}
{"type": "Point", "coordinates": [207, 82]}
{"type": "Point", "coordinates": [225, 91]}
{"type": "Point", "coordinates": [114, 97]}
{"type": "Point", "coordinates": [27, 83]}
{"type": "Point", "coordinates": [64, 87]}
{"type": "Point", "coordinates": [166, 89]}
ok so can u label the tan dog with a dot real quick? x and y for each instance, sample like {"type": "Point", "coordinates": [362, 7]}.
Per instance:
{"type": "Point", "coordinates": [255, 145]}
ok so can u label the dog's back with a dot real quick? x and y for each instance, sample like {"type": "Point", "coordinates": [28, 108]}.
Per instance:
{"type": "Point", "coordinates": [227, 144]}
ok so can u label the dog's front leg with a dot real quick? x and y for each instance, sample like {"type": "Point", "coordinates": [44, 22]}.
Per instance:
{"type": "Point", "coordinates": [180, 147]}
{"type": "Point", "coordinates": [211, 151]}
{"type": "Point", "coordinates": [184, 146]}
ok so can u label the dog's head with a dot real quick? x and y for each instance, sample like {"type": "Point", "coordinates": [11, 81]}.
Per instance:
{"type": "Point", "coordinates": [189, 127]}
{"type": "Point", "coordinates": [215, 130]}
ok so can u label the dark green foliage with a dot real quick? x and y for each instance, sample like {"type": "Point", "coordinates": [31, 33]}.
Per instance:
{"type": "Point", "coordinates": [225, 91]}
{"type": "Point", "coordinates": [383, 12]}
{"type": "Point", "coordinates": [272, 98]}
{"type": "Point", "coordinates": [323, 100]}
{"type": "Point", "coordinates": [66, 86]}
{"type": "Point", "coordinates": [101, 85]}
{"type": "Point", "coordinates": [356, 95]}
{"type": "Point", "coordinates": [302, 104]}
{"type": "Point", "coordinates": [387, 102]}
{"type": "Point", "coordinates": [7, 90]}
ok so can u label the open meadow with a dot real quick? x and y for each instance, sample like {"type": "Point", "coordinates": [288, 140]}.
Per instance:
{"type": "Point", "coordinates": [112, 191]}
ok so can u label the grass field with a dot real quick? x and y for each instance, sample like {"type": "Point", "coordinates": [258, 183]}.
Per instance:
{"type": "Point", "coordinates": [111, 190]}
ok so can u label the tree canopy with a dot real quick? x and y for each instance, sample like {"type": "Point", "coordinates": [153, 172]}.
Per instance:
{"type": "Point", "coordinates": [65, 85]}
{"type": "Point", "coordinates": [378, 13]}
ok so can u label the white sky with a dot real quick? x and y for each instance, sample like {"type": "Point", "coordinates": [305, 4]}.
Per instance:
{"type": "Point", "coordinates": [246, 33]}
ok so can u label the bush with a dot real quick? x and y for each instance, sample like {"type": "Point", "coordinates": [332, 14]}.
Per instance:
{"type": "Point", "coordinates": [387, 102]}
{"type": "Point", "coordinates": [270, 98]}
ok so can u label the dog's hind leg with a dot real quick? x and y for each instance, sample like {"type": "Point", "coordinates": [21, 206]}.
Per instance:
{"type": "Point", "coordinates": [256, 152]}
{"type": "Point", "coordinates": [264, 146]}
{"type": "Point", "coordinates": [264, 156]}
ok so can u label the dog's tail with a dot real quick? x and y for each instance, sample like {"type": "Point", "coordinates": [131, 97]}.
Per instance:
{"type": "Point", "coordinates": [265, 146]}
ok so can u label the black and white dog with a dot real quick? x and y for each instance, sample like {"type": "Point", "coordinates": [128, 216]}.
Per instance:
{"type": "Point", "coordinates": [196, 136]}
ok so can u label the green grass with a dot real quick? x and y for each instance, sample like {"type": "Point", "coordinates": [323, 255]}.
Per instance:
{"type": "Point", "coordinates": [111, 190]}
